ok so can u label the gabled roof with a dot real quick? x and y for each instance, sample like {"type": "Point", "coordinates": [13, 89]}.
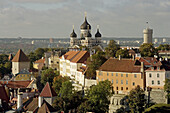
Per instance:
{"type": "Point", "coordinates": [20, 57]}
{"type": "Point", "coordinates": [16, 84]}
{"type": "Point", "coordinates": [48, 91]}
{"type": "Point", "coordinates": [42, 60]}
{"type": "Point", "coordinates": [46, 108]}
{"type": "Point", "coordinates": [150, 61]}
{"type": "Point", "coordinates": [77, 56]}
{"type": "Point", "coordinates": [30, 104]}
{"type": "Point", "coordinates": [122, 65]}
{"type": "Point", "coordinates": [3, 94]}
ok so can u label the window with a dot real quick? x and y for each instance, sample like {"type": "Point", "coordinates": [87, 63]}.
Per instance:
{"type": "Point", "coordinates": [152, 82]}
{"type": "Point", "coordinates": [98, 79]}
{"type": "Point", "coordinates": [107, 74]}
{"type": "Point", "coordinates": [116, 81]}
{"type": "Point", "coordinates": [117, 88]}
{"type": "Point", "coordinates": [112, 81]}
{"type": "Point", "coordinates": [133, 83]}
{"type": "Point", "coordinates": [112, 74]}
{"type": "Point", "coordinates": [121, 88]}
{"type": "Point", "coordinates": [127, 82]}
{"type": "Point", "coordinates": [126, 88]}
{"type": "Point", "coordinates": [126, 75]}
{"type": "Point", "coordinates": [121, 81]}
{"type": "Point", "coordinates": [20, 75]}
{"type": "Point", "coordinates": [157, 75]}
{"type": "Point", "coordinates": [158, 82]}
{"type": "Point", "coordinates": [135, 76]}
{"type": "Point", "coordinates": [100, 73]}
{"type": "Point", "coordinates": [116, 74]}
{"type": "Point", "coordinates": [150, 75]}
{"type": "Point", "coordinates": [107, 79]}
{"type": "Point", "coordinates": [121, 75]}
{"type": "Point", "coordinates": [102, 79]}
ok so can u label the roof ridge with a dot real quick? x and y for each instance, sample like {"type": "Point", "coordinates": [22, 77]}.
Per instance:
{"type": "Point", "coordinates": [81, 55]}
{"type": "Point", "coordinates": [75, 55]}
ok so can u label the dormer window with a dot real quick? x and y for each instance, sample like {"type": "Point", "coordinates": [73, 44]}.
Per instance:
{"type": "Point", "coordinates": [158, 68]}
{"type": "Point", "coordinates": [152, 68]}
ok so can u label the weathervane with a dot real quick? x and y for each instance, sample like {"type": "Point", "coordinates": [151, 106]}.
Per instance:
{"type": "Point", "coordinates": [147, 24]}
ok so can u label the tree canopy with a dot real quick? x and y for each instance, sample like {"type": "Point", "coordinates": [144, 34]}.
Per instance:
{"type": "Point", "coordinates": [123, 53]}
{"type": "Point", "coordinates": [48, 75]}
{"type": "Point", "coordinates": [136, 100]}
{"type": "Point", "coordinates": [97, 98]}
{"type": "Point", "coordinates": [164, 47]}
{"type": "Point", "coordinates": [112, 49]}
{"type": "Point", "coordinates": [94, 62]}
{"type": "Point", "coordinates": [147, 50]}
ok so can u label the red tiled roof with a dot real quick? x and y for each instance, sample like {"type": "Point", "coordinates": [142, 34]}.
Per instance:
{"type": "Point", "coordinates": [77, 56]}
{"type": "Point", "coordinates": [123, 65]}
{"type": "Point", "coordinates": [46, 108]}
{"type": "Point", "coordinates": [152, 61]}
{"type": "Point", "coordinates": [3, 94]}
{"type": "Point", "coordinates": [16, 84]}
{"type": "Point", "coordinates": [48, 91]}
{"type": "Point", "coordinates": [20, 57]}
{"type": "Point", "coordinates": [40, 61]}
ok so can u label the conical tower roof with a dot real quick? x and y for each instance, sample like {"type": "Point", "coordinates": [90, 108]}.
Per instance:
{"type": "Point", "coordinates": [48, 91]}
{"type": "Point", "coordinates": [20, 57]}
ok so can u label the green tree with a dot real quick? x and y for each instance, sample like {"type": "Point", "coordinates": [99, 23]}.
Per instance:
{"type": "Point", "coordinates": [39, 53]}
{"type": "Point", "coordinates": [8, 66]}
{"type": "Point", "coordinates": [97, 98]}
{"type": "Point", "coordinates": [136, 100]}
{"type": "Point", "coordinates": [57, 82]}
{"type": "Point", "coordinates": [47, 76]}
{"type": "Point", "coordinates": [147, 50]}
{"type": "Point", "coordinates": [123, 53]}
{"type": "Point", "coordinates": [66, 89]}
{"type": "Point", "coordinates": [167, 89]}
{"type": "Point", "coordinates": [112, 49]}
{"type": "Point", "coordinates": [93, 63]}
{"type": "Point", "coordinates": [164, 47]}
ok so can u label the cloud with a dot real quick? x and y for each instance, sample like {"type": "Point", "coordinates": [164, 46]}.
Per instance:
{"type": "Point", "coordinates": [54, 18]}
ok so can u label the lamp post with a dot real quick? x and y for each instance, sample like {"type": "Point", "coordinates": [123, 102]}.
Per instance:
{"type": "Point", "coordinates": [149, 89]}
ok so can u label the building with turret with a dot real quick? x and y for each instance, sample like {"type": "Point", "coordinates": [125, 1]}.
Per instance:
{"type": "Point", "coordinates": [85, 36]}
{"type": "Point", "coordinates": [20, 62]}
{"type": "Point", "coordinates": [147, 35]}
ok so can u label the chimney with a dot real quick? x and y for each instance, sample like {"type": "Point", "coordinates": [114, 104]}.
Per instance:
{"type": "Point", "coordinates": [142, 67]}
{"type": "Point", "coordinates": [19, 101]}
{"type": "Point", "coordinates": [40, 101]}
{"type": "Point", "coordinates": [133, 57]}
{"type": "Point", "coordinates": [119, 57]}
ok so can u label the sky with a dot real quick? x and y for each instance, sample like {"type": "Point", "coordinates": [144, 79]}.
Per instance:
{"type": "Point", "coordinates": [55, 18]}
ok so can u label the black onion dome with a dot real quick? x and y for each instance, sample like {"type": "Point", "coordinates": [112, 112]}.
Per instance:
{"type": "Point", "coordinates": [98, 34]}
{"type": "Point", "coordinates": [73, 34]}
{"type": "Point", "coordinates": [88, 34]}
{"type": "Point", "coordinates": [85, 25]}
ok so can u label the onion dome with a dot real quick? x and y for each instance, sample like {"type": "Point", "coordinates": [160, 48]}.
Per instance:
{"type": "Point", "coordinates": [88, 34]}
{"type": "Point", "coordinates": [73, 34]}
{"type": "Point", "coordinates": [98, 34]}
{"type": "Point", "coordinates": [85, 25]}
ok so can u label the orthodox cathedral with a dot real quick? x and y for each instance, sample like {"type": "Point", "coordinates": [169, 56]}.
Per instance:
{"type": "Point", "coordinates": [85, 36]}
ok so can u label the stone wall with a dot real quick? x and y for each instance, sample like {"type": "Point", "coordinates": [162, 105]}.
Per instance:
{"type": "Point", "coordinates": [157, 96]}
